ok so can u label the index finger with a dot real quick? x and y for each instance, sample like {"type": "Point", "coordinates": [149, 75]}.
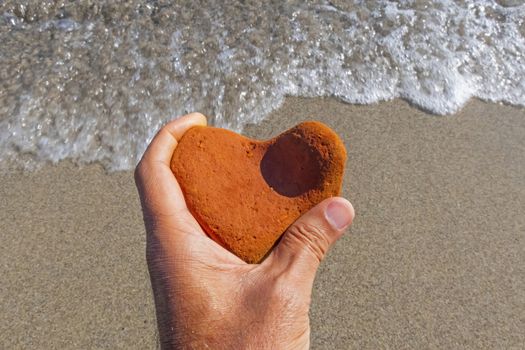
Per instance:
{"type": "Point", "coordinates": [160, 193]}
{"type": "Point", "coordinates": [164, 143]}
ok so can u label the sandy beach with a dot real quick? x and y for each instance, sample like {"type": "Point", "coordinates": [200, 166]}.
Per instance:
{"type": "Point", "coordinates": [435, 258]}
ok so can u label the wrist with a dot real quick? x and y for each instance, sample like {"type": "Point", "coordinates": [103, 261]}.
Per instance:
{"type": "Point", "coordinates": [227, 334]}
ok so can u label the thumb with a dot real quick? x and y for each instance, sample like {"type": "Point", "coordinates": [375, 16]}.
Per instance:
{"type": "Point", "coordinates": [306, 242]}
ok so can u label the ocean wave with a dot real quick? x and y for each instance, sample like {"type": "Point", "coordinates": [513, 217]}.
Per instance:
{"type": "Point", "coordinates": [94, 82]}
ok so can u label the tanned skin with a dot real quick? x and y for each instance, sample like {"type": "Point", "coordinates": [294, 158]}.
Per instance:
{"type": "Point", "coordinates": [205, 296]}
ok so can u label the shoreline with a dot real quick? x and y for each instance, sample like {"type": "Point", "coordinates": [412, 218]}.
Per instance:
{"type": "Point", "coordinates": [435, 258]}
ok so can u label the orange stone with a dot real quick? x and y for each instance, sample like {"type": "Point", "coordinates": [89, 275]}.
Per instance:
{"type": "Point", "coordinates": [245, 193]}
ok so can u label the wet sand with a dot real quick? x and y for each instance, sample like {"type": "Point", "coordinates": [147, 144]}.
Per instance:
{"type": "Point", "coordinates": [435, 258]}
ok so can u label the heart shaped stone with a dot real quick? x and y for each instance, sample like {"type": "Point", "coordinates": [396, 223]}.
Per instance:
{"type": "Point", "coordinates": [245, 193]}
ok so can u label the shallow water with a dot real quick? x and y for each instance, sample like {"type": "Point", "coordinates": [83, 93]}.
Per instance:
{"type": "Point", "coordinates": [92, 81]}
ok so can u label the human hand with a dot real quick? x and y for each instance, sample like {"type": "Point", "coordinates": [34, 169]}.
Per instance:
{"type": "Point", "coordinates": [205, 296]}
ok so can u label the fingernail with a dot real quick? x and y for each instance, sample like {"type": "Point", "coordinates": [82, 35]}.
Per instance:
{"type": "Point", "coordinates": [338, 215]}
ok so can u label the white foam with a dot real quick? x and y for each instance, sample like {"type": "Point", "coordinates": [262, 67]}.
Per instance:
{"type": "Point", "coordinates": [98, 90]}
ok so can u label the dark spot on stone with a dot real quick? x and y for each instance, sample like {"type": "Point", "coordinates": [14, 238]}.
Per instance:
{"type": "Point", "coordinates": [291, 166]}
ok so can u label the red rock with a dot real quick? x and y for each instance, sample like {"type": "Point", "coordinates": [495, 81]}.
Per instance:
{"type": "Point", "coordinates": [245, 193]}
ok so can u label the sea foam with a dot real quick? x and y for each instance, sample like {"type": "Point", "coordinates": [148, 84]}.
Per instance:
{"type": "Point", "coordinates": [94, 82]}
